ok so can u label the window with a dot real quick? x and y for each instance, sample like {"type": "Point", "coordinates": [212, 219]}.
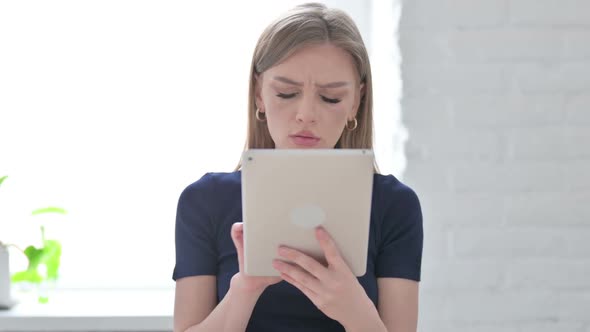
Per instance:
{"type": "Point", "coordinates": [110, 109]}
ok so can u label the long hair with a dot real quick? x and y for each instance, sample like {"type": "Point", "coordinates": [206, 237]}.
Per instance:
{"type": "Point", "coordinates": [306, 24]}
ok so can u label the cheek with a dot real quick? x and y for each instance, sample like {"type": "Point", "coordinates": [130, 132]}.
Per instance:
{"type": "Point", "coordinates": [272, 103]}
{"type": "Point", "coordinates": [336, 116]}
{"type": "Point", "coordinates": [339, 111]}
{"type": "Point", "coordinates": [277, 111]}
{"type": "Point", "coordinates": [277, 117]}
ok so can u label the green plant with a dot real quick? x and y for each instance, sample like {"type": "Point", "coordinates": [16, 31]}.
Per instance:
{"type": "Point", "coordinates": [48, 255]}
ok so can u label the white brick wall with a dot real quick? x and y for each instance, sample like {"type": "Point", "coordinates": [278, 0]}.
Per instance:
{"type": "Point", "coordinates": [497, 105]}
{"type": "Point", "coordinates": [549, 12]}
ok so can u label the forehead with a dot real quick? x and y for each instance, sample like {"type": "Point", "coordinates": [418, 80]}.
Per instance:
{"type": "Point", "coordinates": [319, 63]}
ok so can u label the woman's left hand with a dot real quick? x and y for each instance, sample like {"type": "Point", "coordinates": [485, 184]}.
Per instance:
{"type": "Point", "coordinates": [334, 289]}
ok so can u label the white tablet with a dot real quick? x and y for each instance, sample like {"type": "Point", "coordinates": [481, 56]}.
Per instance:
{"type": "Point", "coordinates": [287, 193]}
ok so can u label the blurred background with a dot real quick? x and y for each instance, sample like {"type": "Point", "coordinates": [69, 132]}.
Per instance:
{"type": "Point", "coordinates": [496, 100]}
{"type": "Point", "coordinates": [110, 109]}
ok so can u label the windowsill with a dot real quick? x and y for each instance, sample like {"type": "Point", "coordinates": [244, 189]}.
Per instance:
{"type": "Point", "coordinates": [93, 310]}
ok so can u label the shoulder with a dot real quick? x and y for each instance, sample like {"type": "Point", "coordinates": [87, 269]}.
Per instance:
{"type": "Point", "coordinates": [399, 215]}
{"type": "Point", "coordinates": [213, 183]}
{"type": "Point", "coordinates": [389, 191]}
{"type": "Point", "coordinates": [210, 187]}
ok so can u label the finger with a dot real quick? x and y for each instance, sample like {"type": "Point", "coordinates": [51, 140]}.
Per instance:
{"type": "Point", "coordinates": [309, 264]}
{"type": "Point", "coordinates": [306, 291]}
{"type": "Point", "coordinates": [237, 235]}
{"type": "Point", "coordinates": [298, 274]}
{"type": "Point", "coordinates": [329, 247]}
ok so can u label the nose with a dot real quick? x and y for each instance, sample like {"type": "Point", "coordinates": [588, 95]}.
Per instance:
{"type": "Point", "coordinates": [306, 112]}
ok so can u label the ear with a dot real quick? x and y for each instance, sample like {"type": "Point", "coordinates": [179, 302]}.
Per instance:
{"type": "Point", "coordinates": [258, 92]}
{"type": "Point", "coordinates": [357, 101]}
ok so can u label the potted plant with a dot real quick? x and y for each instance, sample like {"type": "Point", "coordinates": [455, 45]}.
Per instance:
{"type": "Point", "coordinates": [43, 261]}
{"type": "Point", "coordinates": [5, 296]}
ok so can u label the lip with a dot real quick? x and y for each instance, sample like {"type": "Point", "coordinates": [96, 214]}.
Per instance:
{"type": "Point", "coordinates": [304, 138]}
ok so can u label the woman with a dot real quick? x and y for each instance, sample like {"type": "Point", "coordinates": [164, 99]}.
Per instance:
{"type": "Point", "coordinates": [310, 87]}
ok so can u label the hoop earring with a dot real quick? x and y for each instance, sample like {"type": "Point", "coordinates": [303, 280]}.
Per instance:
{"type": "Point", "coordinates": [258, 117]}
{"type": "Point", "coordinates": [353, 127]}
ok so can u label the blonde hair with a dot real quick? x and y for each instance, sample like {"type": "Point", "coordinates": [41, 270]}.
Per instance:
{"type": "Point", "coordinates": [311, 23]}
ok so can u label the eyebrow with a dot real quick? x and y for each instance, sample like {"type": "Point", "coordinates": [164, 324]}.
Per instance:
{"type": "Point", "coordinates": [323, 86]}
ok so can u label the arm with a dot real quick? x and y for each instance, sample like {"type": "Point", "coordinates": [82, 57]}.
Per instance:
{"type": "Point", "coordinates": [397, 308]}
{"type": "Point", "coordinates": [400, 259]}
{"type": "Point", "coordinates": [398, 304]}
{"type": "Point", "coordinates": [195, 300]}
{"type": "Point", "coordinates": [195, 305]}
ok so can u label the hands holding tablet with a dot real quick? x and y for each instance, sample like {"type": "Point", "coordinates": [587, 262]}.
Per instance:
{"type": "Point", "coordinates": [331, 288]}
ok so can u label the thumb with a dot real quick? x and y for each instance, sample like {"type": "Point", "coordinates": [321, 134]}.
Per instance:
{"type": "Point", "coordinates": [237, 235]}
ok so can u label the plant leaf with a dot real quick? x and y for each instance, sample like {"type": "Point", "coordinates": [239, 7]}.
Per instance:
{"type": "Point", "coordinates": [49, 255]}
{"type": "Point", "coordinates": [51, 209]}
{"type": "Point", "coordinates": [35, 256]}
{"type": "Point", "coordinates": [3, 178]}
{"type": "Point", "coordinates": [31, 274]}
{"type": "Point", "coordinates": [52, 258]}
{"type": "Point", "coordinates": [28, 275]}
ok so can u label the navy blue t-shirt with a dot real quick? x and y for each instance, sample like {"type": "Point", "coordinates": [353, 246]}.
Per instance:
{"type": "Point", "coordinates": [208, 208]}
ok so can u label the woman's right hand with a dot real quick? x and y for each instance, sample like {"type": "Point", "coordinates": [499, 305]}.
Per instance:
{"type": "Point", "coordinates": [240, 279]}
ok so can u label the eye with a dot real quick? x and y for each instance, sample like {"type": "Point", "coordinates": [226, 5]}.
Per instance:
{"type": "Point", "coordinates": [331, 101]}
{"type": "Point", "coordinates": [286, 96]}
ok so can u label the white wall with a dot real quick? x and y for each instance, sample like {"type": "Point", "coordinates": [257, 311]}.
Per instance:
{"type": "Point", "coordinates": [497, 105]}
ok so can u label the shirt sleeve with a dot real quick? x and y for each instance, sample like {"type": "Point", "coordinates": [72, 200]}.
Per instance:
{"type": "Point", "coordinates": [196, 252]}
{"type": "Point", "coordinates": [400, 251]}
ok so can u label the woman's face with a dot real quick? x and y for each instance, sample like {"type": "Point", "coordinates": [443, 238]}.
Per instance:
{"type": "Point", "coordinates": [309, 97]}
